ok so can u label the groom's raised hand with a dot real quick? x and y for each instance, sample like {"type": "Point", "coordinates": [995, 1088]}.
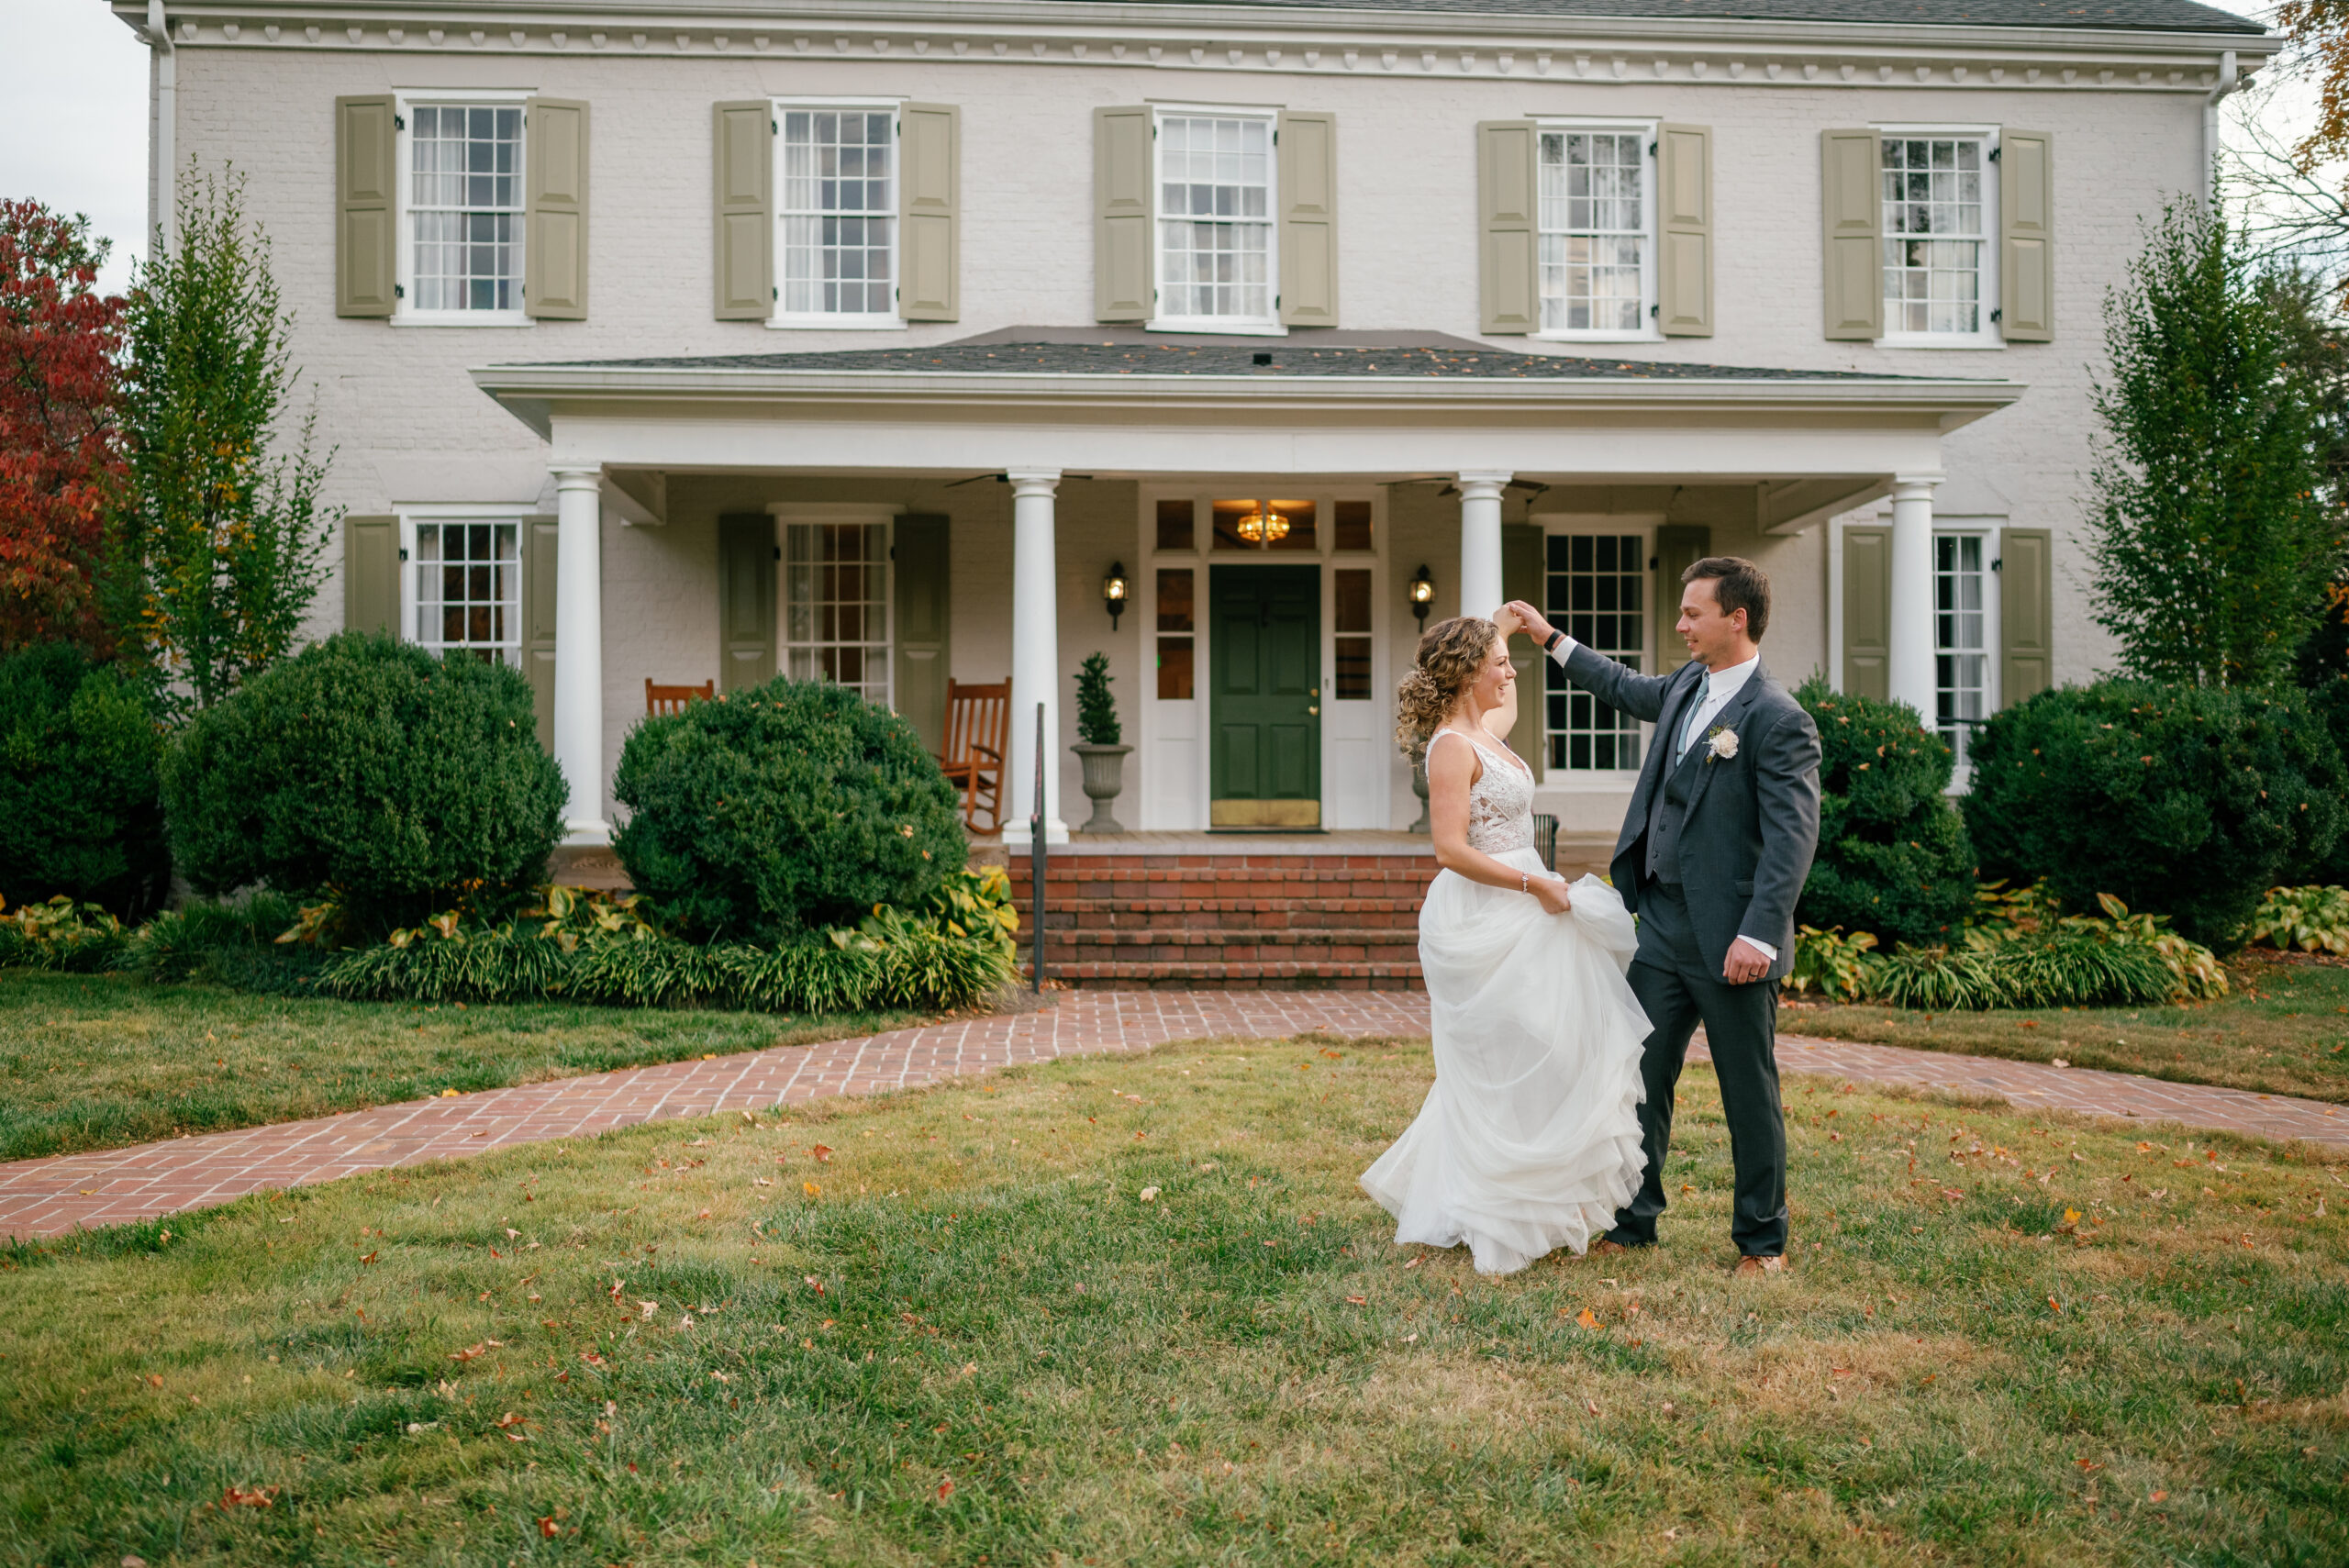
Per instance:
{"type": "Point", "coordinates": [1530, 621]}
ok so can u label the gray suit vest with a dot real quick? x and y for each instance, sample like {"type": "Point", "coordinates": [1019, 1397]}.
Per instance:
{"type": "Point", "coordinates": [1668, 810]}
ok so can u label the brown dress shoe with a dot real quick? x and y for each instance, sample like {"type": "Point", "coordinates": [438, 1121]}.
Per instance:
{"type": "Point", "coordinates": [1757, 1265]}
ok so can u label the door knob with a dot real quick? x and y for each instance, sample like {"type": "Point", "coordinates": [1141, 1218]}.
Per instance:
{"type": "Point", "coordinates": [1314, 710]}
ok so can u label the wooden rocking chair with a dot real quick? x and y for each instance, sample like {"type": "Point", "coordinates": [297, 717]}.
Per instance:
{"type": "Point", "coordinates": [977, 718]}
{"type": "Point", "coordinates": [672, 699]}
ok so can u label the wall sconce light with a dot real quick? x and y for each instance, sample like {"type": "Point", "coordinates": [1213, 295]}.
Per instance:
{"type": "Point", "coordinates": [1422, 595]}
{"type": "Point", "coordinates": [1113, 591]}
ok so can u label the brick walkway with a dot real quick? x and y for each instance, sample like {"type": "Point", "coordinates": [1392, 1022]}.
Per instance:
{"type": "Point", "coordinates": [43, 1197]}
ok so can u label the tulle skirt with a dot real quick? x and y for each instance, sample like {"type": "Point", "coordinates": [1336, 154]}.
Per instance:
{"type": "Point", "coordinates": [1529, 1139]}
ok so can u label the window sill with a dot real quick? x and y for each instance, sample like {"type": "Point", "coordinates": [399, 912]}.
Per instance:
{"type": "Point", "coordinates": [1597, 336]}
{"type": "Point", "coordinates": [1562, 781]}
{"type": "Point", "coordinates": [835, 324]}
{"type": "Point", "coordinates": [461, 319]}
{"type": "Point", "coordinates": [1939, 341]}
{"type": "Point", "coordinates": [1228, 329]}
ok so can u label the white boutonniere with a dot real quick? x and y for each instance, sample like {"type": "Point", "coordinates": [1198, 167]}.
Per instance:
{"type": "Point", "coordinates": [1720, 743]}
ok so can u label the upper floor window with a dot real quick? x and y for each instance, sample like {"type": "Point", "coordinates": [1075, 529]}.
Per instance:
{"type": "Point", "coordinates": [464, 212]}
{"type": "Point", "coordinates": [1940, 218]}
{"type": "Point", "coordinates": [1216, 261]}
{"type": "Point", "coordinates": [1597, 273]}
{"type": "Point", "coordinates": [837, 210]}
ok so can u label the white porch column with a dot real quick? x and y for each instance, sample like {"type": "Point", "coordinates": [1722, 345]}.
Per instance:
{"type": "Point", "coordinates": [1035, 654]}
{"type": "Point", "coordinates": [1480, 541]}
{"type": "Point", "coordinates": [579, 652]}
{"type": "Point", "coordinates": [1910, 615]}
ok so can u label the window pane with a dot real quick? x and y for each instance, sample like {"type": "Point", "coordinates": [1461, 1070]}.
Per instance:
{"type": "Point", "coordinates": [838, 213]}
{"type": "Point", "coordinates": [1174, 601]}
{"type": "Point", "coordinates": [836, 616]}
{"type": "Point", "coordinates": [1215, 209]}
{"type": "Point", "coordinates": [1176, 530]}
{"type": "Point", "coordinates": [1933, 237]}
{"type": "Point", "coordinates": [465, 198]}
{"type": "Point", "coordinates": [1350, 591]}
{"type": "Point", "coordinates": [1596, 591]}
{"type": "Point", "coordinates": [1593, 231]}
{"type": "Point", "coordinates": [1352, 683]}
{"type": "Point", "coordinates": [1228, 517]}
{"type": "Point", "coordinates": [1175, 669]}
{"type": "Point", "coordinates": [468, 589]}
{"type": "Point", "coordinates": [1354, 525]}
{"type": "Point", "coordinates": [1289, 525]}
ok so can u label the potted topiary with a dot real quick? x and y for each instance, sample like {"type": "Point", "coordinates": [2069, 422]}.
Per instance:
{"type": "Point", "coordinates": [1105, 759]}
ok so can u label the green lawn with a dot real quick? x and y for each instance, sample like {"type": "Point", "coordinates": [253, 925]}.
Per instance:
{"type": "Point", "coordinates": [2283, 1030]}
{"type": "Point", "coordinates": [964, 1334]}
{"type": "Point", "coordinates": [96, 1062]}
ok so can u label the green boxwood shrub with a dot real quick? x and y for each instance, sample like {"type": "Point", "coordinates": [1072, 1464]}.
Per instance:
{"type": "Point", "coordinates": [2185, 801]}
{"type": "Point", "coordinates": [369, 770]}
{"type": "Point", "coordinates": [79, 815]}
{"type": "Point", "coordinates": [1894, 857]}
{"type": "Point", "coordinates": [793, 806]}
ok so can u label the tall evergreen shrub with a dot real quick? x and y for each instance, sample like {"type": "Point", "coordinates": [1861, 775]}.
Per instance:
{"type": "Point", "coordinates": [369, 769]}
{"type": "Point", "coordinates": [789, 807]}
{"type": "Point", "coordinates": [2185, 801]}
{"type": "Point", "coordinates": [80, 813]}
{"type": "Point", "coordinates": [1894, 857]}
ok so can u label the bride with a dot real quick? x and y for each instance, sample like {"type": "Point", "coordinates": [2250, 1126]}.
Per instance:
{"type": "Point", "coordinates": [1530, 1138]}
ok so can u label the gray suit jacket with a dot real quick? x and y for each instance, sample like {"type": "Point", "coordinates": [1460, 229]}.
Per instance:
{"type": "Point", "coordinates": [1753, 825]}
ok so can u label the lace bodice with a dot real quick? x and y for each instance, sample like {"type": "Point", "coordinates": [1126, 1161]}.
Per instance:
{"type": "Point", "coordinates": [1500, 803]}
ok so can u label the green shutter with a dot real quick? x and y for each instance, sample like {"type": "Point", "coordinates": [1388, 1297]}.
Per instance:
{"type": "Point", "coordinates": [1522, 569]}
{"type": "Point", "coordinates": [1678, 545]}
{"type": "Point", "coordinates": [1508, 277]}
{"type": "Point", "coordinates": [365, 149]}
{"type": "Point", "coordinates": [1852, 199]}
{"type": "Point", "coordinates": [744, 163]}
{"type": "Point", "coordinates": [1122, 228]}
{"type": "Point", "coordinates": [371, 575]}
{"type": "Point", "coordinates": [930, 204]}
{"type": "Point", "coordinates": [746, 553]}
{"type": "Point", "coordinates": [1868, 612]}
{"type": "Point", "coordinates": [2026, 613]}
{"type": "Point", "coordinates": [2027, 235]}
{"type": "Point", "coordinates": [920, 557]}
{"type": "Point", "coordinates": [1309, 197]}
{"type": "Point", "coordinates": [540, 541]}
{"type": "Point", "coordinates": [554, 248]}
{"type": "Point", "coordinates": [1684, 272]}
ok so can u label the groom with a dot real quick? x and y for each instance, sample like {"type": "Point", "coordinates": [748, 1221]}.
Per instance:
{"type": "Point", "coordinates": [1711, 858]}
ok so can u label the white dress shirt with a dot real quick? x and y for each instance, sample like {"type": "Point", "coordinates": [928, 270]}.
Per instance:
{"type": "Point", "coordinates": [1720, 687]}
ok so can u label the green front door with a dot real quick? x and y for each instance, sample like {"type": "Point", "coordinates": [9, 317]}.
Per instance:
{"type": "Point", "coordinates": [1265, 696]}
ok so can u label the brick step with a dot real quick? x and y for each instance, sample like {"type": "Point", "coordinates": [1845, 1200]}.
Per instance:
{"type": "Point", "coordinates": [1250, 976]}
{"type": "Point", "coordinates": [1268, 885]}
{"type": "Point", "coordinates": [1387, 942]}
{"type": "Point", "coordinates": [1273, 912]}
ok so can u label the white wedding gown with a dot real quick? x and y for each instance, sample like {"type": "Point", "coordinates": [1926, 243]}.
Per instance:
{"type": "Point", "coordinates": [1529, 1139]}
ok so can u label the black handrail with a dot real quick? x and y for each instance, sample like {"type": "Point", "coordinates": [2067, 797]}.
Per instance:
{"type": "Point", "coordinates": [1037, 857]}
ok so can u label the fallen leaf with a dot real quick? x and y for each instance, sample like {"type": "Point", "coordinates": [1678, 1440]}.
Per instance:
{"type": "Point", "coordinates": [811, 1189]}
{"type": "Point", "coordinates": [645, 1309]}
{"type": "Point", "coordinates": [469, 1352]}
{"type": "Point", "coordinates": [1587, 1318]}
{"type": "Point", "coordinates": [249, 1497]}
{"type": "Point", "coordinates": [820, 1152]}
{"type": "Point", "coordinates": [1359, 1300]}
{"type": "Point", "coordinates": [548, 1529]}
{"type": "Point", "coordinates": [2158, 1497]}
{"type": "Point", "coordinates": [945, 1490]}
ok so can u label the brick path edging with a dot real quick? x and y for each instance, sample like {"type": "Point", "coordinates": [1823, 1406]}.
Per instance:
{"type": "Point", "coordinates": [65, 1192]}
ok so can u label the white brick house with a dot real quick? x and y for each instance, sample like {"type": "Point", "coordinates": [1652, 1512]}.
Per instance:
{"type": "Point", "coordinates": [682, 341]}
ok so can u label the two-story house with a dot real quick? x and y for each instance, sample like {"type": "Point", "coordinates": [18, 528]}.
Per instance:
{"type": "Point", "coordinates": [873, 339]}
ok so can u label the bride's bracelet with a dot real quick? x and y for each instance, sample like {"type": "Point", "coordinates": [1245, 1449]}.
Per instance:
{"type": "Point", "coordinates": [1524, 882]}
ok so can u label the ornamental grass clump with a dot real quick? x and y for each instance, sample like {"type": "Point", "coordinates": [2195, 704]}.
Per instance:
{"type": "Point", "coordinates": [80, 812]}
{"type": "Point", "coordinates": [786, 808]}
{"type": "Point", "coordinates": [1893, 858]}
{"type": "Point", "coordinates": [372, 772]}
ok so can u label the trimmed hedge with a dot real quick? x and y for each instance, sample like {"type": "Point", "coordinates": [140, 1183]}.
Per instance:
{"type": "Point", "coordinates": [369, 770]}
{"type": "Point", "coordinates": [793, 806]}
{"type": "Point", "coordinates": [80, 814]}
{"type": "Point", "coordinates": [2185, 801]}
{"type": "Point", "coordinates": [1894, 857]}
{"type": "Point", "coordinates": [2330, 700]}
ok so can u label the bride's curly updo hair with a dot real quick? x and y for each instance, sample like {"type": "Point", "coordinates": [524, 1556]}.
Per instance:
{"type": "Point", "coordinates": [1451, 653]}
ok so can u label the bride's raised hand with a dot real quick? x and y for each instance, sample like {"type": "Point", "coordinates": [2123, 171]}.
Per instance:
{"type": "Point", "coordinates": [1551, 892]}
{"type": "Point", "coordinates": [1507, 621]}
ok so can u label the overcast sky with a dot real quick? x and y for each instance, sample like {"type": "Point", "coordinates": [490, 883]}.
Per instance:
{"type": "Point", "coordinates": [73, 114]}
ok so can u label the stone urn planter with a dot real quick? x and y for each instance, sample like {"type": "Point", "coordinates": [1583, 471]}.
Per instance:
{"type": "Point", "coordinates": [1105, 776]}
{"type": "Point", "coordinates": [1425, 825]}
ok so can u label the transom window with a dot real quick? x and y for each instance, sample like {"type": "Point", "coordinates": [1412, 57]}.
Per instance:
{"type": "Point", "coordinates": [1935, 234]}
{"type": "Point", "coordinates": [1594, 231]}
{"type": "Point", "coordinates": [465, 201]}
{"type": "Point", "coordinates": [1961, 627]}
{"type": "Point", "coordinates": [836, 605]}
{"type": "Point", "coordinates": [839, 212]}
{"type": "Point", "coordinates": [469, 589]}
{"type": "Point", "coordinates": [1596, 593]}
{"type": "Point", "coordinates": [1215, 218]}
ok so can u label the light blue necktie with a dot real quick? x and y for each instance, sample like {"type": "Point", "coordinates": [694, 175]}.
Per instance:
{"type": "Point", "coordinates": [1696, 714]}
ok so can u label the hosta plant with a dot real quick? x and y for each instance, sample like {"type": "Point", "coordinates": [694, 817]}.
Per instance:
{"type": "Point", "coordinates": [2312, 919]}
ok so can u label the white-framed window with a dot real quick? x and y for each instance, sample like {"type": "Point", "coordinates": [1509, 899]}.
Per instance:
{"type": "Point", "coordinates": [1961, 590]}
{"type": "Point", "coordinates": [1596, 586]}
{"type": "Point", "coordinates": [461, 202]}
{"type": "Point", "coordinates": [836, 213]}
{"type": "Point", "coordinates": [1218, 263]}
{"type": "Point", "coordinates": [836, 604]}
{"type": "Point", "coordinates": [1597, 230]}
{"type": "Point", "coordinates": [462, 588]}
{"type": "Point", "coordinates": [1941, 224]}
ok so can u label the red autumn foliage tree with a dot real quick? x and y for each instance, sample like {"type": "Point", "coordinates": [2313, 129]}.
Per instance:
{"type": "Point", "coordinates": [61, 459]}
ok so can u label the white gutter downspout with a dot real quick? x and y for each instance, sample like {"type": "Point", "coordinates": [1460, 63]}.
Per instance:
{"type": "Point", "coordinates": [162, 204]}
{"type": "Point", "coordinates": [2227, 82]}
